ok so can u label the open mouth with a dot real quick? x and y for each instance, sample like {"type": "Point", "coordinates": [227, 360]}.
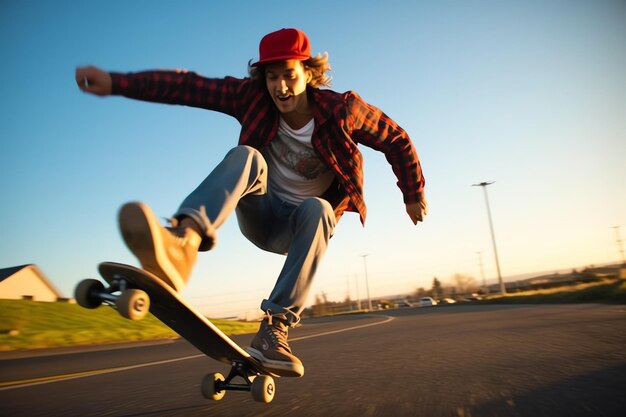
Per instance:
{"type": "Point", "coordinates": [283, 97]}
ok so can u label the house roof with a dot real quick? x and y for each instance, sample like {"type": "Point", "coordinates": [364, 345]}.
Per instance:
{"type": "Point", "coordinates": [6, 273]}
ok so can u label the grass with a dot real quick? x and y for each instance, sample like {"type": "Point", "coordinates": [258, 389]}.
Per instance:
{"type": "Point", "coordinates": [37, 325]}
{"type": "Point", "coordinates": [606, 291]}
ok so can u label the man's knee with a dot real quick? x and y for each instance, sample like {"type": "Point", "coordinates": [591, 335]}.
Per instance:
{"type": "Point", "coordinates": [245, 153]}
{"type": "Point", "coordinates": [318, 210]}
{"type": "Point", "coordinates": [249, 160]}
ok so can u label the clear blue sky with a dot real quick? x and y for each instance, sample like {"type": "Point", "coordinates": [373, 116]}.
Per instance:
{"type": "Point", "coordinates": [529, 94]}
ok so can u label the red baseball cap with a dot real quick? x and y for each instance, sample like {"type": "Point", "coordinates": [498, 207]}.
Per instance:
{"type": "Point", "coordinates": [282, 45]}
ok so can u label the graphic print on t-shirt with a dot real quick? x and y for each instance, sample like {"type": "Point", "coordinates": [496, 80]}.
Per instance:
{"type": "Point", "coordinates": [298, 157]}
{"type": "Point", "coordinates": [295, 171]}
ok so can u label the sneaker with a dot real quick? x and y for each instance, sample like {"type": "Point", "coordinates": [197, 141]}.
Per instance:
{"type": "Point", "coordinates": [169, 253]}
{"type": "Point", "coordinates": [270, 347]}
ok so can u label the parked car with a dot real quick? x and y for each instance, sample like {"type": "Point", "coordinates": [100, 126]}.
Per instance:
{"type": "Point", "coordinates": [472, 297]}
{"type": "Point", "coordinates": [404, 303]}
{"type": "Point", "coordinates": [427, 302]}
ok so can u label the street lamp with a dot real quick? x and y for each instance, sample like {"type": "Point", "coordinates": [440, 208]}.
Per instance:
{"type": "Point", "coordinates": [493, 236]}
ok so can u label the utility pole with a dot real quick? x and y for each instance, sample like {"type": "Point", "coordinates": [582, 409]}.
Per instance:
{"type": "Point", "coordinates": [493, 236]}
{"type": "Point", "coordinates": [358, 294]}
{"type": "Point", "coordinates": [348, 295]}
{"type": "Point", "coordinates": [367, 283]}
{"type": "Point", "coordinates": [619, 244]}
{"type": "Point", "coordinates": [482, 270]}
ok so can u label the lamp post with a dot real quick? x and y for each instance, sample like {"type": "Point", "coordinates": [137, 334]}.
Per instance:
{"type": "Point", "coordinates": [493, 236]}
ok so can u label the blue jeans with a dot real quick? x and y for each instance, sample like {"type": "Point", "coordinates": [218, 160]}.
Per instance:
{"type": "Point", "coordinates": [239, 183]}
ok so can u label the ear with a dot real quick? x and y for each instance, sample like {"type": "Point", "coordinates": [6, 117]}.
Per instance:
{"type": "Point", "coordinates": [307, 72]}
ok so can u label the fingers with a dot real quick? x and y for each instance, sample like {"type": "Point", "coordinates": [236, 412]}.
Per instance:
{"type": "Point", "coordinates": [93, 80]}
{"type": "Point", "coordinates": [81, 78]}
{"type": "Point", "coordinates": [86, 80]}
{"type": "Point", "coordinates": [424, 206]}
{"type": "Point", "coordinates": [415, 214]}
{"type": "Point", "coordinates": [417, 211]}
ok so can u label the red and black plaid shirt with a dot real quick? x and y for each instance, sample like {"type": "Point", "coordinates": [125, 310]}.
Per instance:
{"type": "Point", "coordinates": [342, 120]}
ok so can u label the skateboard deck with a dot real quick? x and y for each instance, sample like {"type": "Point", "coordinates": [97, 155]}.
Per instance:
{"type": "Point", "coordinates": [169, 307]}
{"type": "Point", "coordinates": [139, 289]}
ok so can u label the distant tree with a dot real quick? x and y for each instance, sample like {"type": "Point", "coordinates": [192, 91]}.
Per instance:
{"type": "Point", "coordinates": [465, 283]}
{"type": "Point", "coordinates": [437, 289]}
{"type": "Point", "coordinates": [320, 307]}
{"type": "Point", "coordinates": [420, 292]}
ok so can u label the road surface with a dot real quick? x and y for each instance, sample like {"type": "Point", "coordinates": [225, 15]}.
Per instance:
{"type": "Point", "coordinates": [462, 361]}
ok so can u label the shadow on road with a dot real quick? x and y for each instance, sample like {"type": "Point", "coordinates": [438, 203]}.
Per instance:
{"type": "Point", "coordinates": [576, 396]}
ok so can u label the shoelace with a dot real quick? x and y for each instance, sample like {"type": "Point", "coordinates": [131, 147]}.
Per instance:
{"type": "Point", "coordinates": [276, 333]}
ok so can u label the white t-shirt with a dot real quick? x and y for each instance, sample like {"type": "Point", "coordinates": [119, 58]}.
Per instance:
{"type": "Point", "coordinates": [295, 171]}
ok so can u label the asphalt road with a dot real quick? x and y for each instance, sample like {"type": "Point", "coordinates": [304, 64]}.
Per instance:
{"type": "Point", "coordinates": [461, 361]}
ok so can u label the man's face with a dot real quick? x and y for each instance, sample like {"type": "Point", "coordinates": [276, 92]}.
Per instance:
{"type": "Point", "coordinates": [286, 82]}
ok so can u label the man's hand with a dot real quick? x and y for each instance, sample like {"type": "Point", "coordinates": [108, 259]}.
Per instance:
{"type": "Point", "coordinates": [94, 80]}
{"type": "Point", "coordinates": [417, 211]}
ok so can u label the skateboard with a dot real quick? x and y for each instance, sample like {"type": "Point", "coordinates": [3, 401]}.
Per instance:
{"type": "Point", "coordinates": [134, 292]}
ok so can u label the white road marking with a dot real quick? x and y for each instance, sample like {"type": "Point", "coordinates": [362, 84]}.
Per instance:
{"type": "Point", "coordinates": [388, 319]}
{"type": "Point", "coordinates": [10, 385]}
{"type": "Point", "coordinates": [5, 386]}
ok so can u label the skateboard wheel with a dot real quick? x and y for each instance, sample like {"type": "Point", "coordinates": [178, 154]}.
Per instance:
{"type": "Point", "coordinates": [210, 388]}
{"type": "Point", "coordinates": [86, 293]}
{"type": "Point", "coordinates": [263, 389]}
{"type": "Point", "coordinates": [133, 304]}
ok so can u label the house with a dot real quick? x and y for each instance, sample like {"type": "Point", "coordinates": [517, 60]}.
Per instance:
{"type": "Point", "coordinates": [26, 282]}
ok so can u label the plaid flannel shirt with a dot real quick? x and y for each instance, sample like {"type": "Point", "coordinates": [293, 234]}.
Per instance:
{"type": "Point", "coordinates": [342, 120]}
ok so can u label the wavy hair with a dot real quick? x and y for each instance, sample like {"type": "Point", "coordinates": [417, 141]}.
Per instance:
{"type": "Point", "coordinates": [318, 65]}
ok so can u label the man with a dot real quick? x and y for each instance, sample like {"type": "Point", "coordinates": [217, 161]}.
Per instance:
{"type": "Point", "coordinates": [296, 170]}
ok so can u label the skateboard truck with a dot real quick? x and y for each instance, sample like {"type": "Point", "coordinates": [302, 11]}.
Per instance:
{"type": "Point", "coordinates": [132, 303]}
{"type": "Point", "coordinates": [262, 387]}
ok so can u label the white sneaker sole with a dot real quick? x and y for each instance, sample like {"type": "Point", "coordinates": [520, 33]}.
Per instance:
{"type": "Point", "coordinates": [281, 368]}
